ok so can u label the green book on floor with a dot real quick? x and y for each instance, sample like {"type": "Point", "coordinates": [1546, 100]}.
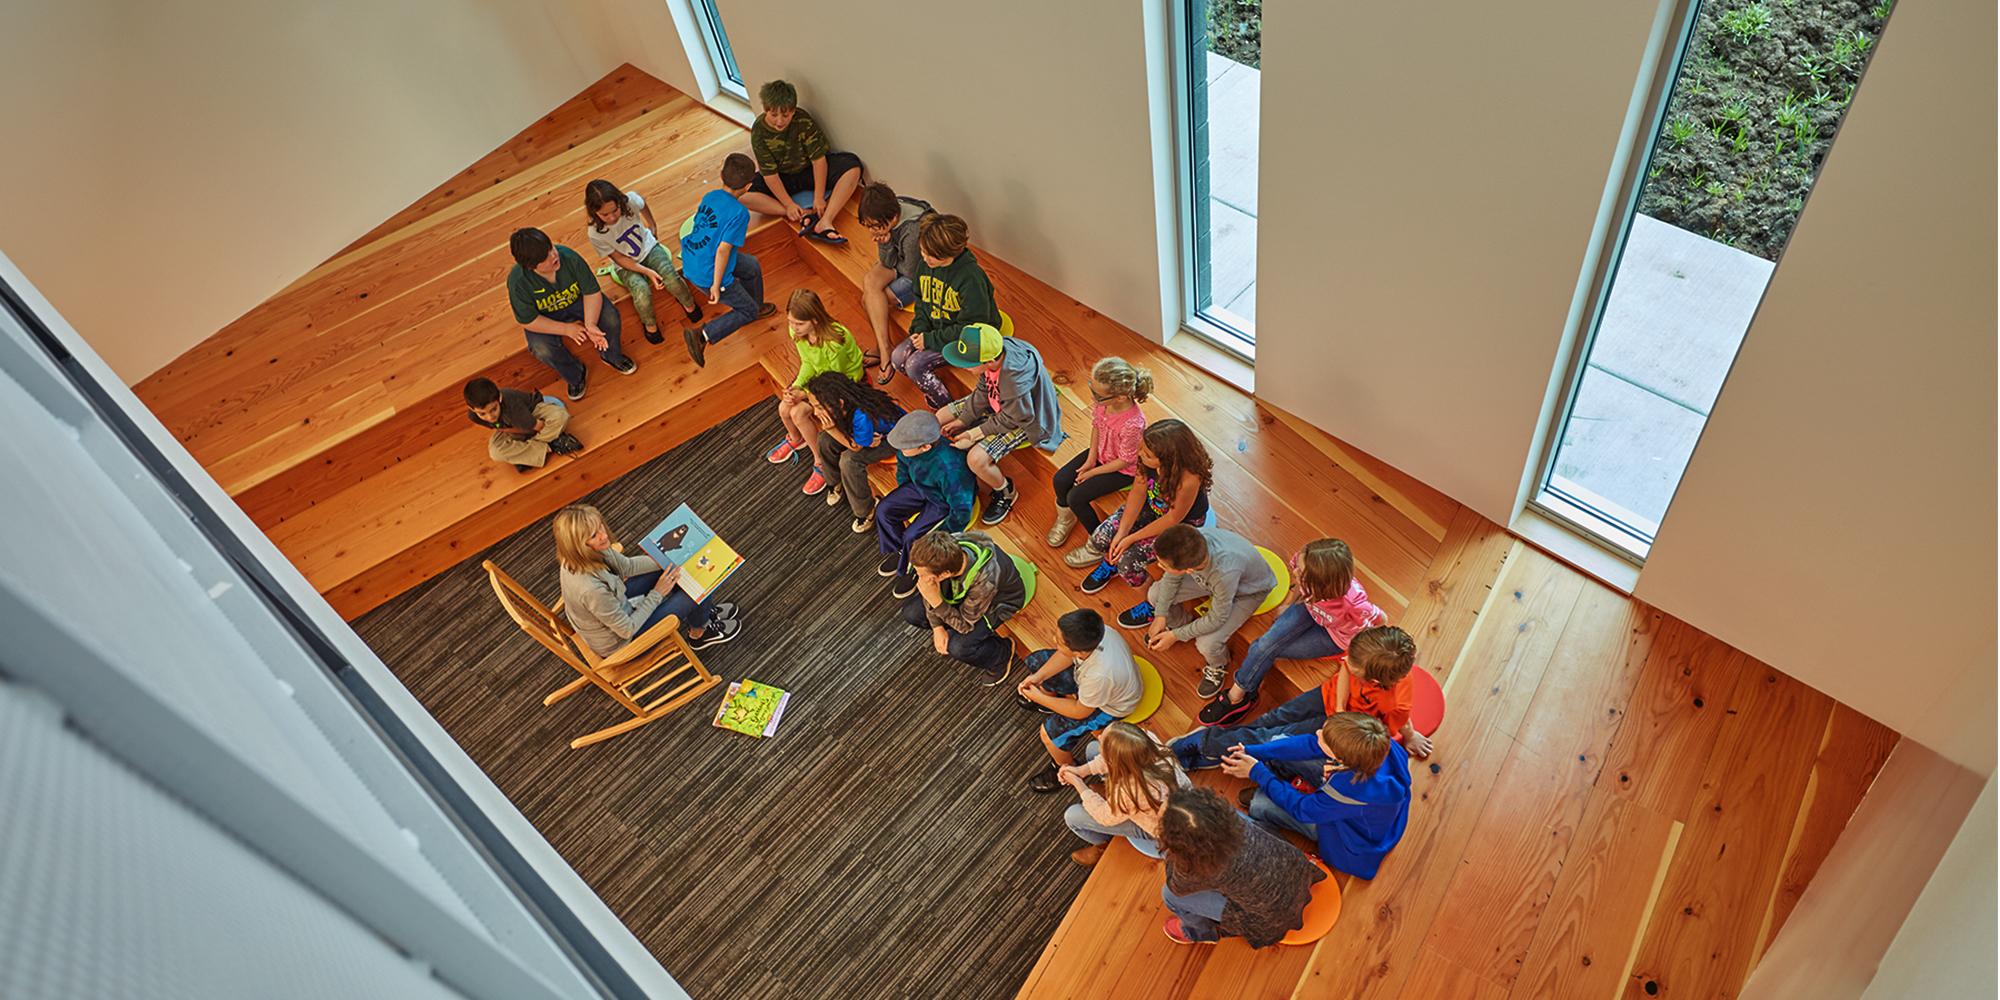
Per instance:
{"type": "Point", "coordinates": [751, 708]}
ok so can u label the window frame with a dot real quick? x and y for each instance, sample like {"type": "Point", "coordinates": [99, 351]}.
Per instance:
{"type": "Point", "coordinates": [715, 38]}
{"type": "Point", "coordinates": [1215, 330]}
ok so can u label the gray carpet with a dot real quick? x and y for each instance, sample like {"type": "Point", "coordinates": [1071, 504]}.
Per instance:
{"type": "Point", "coordinates": [882, 844]}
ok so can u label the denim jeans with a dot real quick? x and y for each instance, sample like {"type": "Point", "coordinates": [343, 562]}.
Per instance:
{"type": "Point", "coordinates": [1271, 814]}
{"type": "Point", "coordinates": [892, 535]}
{"type": "Point", "coordinates": [1305, 713]}
{"type": "Point", "coordinates": [553, 351]}
{"type": "Point", "coordinates": [744, 296]}
{"type": "Point", "coordinates": [980, 647]}
{"type": "Point", "coordinates": [677, 602]}
{"type": "Point", "coordinates": [1292, 636]}
{"type": "Point", "coordinates": [1200, 912]}
{"type": "Point", "coordinates": [1066, 733]}
{"type": "Point", "coordinates": [1081, 823]}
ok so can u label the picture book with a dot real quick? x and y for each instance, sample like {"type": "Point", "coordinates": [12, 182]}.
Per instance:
{"type": "Point", "coordinates": [684, 540]}
{"type": "Point", "coordinates": [752, 708]}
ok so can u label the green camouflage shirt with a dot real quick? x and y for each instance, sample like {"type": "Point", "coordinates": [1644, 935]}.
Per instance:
{"type": "Point", "coordinates": [791, 151]}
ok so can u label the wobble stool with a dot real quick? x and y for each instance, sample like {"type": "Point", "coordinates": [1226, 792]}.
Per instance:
{"type": "Point", "coordinates": [1322, 912]}
{"type": "Point", "coordinates": [1153, 691]}
{"type": "Point", "coordinates": [1427, 701]}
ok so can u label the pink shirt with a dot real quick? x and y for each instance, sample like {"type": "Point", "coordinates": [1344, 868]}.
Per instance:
{"type": "Point", "coordinates": [1117, 434]}
{"type": "Point", "coordinates": [1343, 617]}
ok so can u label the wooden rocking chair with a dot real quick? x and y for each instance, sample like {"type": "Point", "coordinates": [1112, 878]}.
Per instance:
{"type": "Point", "coordinates": [654, 651]}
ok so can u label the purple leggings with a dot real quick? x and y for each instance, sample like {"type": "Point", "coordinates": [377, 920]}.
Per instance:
{"type": "Point", "coordinates": [921, 366]}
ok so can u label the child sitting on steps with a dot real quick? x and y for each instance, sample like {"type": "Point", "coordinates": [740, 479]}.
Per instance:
{"type": "Point", "coordinates": [620, 227]}
{"type": "Point", "coordinates": [892, 283]}
{"type": "Point", "coordinates": [823, 346]}
{"type": "Point", "coordinates": [967, 587]}
{"type": "Point", "coordinates": [713, 261]}
{"type": "Point", "coordinates": [1116, 425]}
{"type": "Point", "coordinates": [1176, 473]}
{"type": "Point", "coordinates": [527, 427]}
{"type": "Point", "coordinates": [1013, 404]}
{"type": "Point", "coordinates": [793, 155]}
{"type": "Point", "coordinates": [1085, 683]}
{"type": "Point", "coordinates": [1361, 798]}
{"type": "Point", "coordinates": [952, 293]}
{"type": "Point", "coordinates": [934, 489]}
{"type": "Point", "coordinates": [1203, 562]}
{"type": "Point", "coordinates": [1139, 773]}
{"type": "Point", "coordinates": [1330, 608]}
{"type": "Point", "coordinates": [855, 419]}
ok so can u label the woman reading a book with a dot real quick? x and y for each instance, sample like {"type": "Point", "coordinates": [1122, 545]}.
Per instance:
{"type": "Point", "coordinates": [610, 597]}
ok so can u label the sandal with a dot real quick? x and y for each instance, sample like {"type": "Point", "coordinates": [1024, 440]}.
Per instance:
{"type": "Point", "coordinates": [807, 222]}
{"type": "Point", "coordinates": [828, 237]}
{"type": "Point", "coordinates": [888, 375]}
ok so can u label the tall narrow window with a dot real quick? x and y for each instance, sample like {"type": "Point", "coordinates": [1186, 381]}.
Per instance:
{"type": "Point", "coordinates": [1757, 94]}
{"type": "Point", "coordinates": [717, 39]}
{"type": "Point", "coordinates": [1218, 71]}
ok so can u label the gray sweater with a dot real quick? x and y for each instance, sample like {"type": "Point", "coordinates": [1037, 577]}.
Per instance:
{"type": "Point", "coordinates": [1028, 398]}
{"type": "Point", "coordinates": [900, 254]}
{"type": "Point", "coordinates": [596, 605]}
{"type": "Point", "coordinates": [1236, 571]}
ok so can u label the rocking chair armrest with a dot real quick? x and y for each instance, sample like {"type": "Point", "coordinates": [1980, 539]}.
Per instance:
{"type": "Point", "coordinates": [644, 642]}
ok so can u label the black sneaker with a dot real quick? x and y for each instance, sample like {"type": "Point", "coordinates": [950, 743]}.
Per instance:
{"type": "Point", "coordinates": [861, 524]}
{"type": "Point", "coordinates": [575, 390]}
{"type": "Point", "coordinates": [718, 632]}
{"type": "Point", "coordinates": [524, 469]}
{"type": "Point", "coordinates": [1221, 712]}
{"type": "Point", "coordinates": [1138, 615]}
{"type": "Point", "coordinates": [624, 366]}
{"type": "Point", "coordinates": [1244, 797]}
{"type": "Point", "coordinates": [693, 315]}
{"type": "Point", "coordinates": [1033, 706]}
{"type": "Point", "coordinates": [1005, 669]}
{"type": "Point", "coordinates": [1044, 781]}
{"type": "Point", "coordinates": [1000, 504]}
{"type": "Point", "coordinates": [726, 610]}
{"type": "Point", "coordinates": [890, 565]}
{"type": "Point", "coordinates": [767, 309]}
{"type": "Point", "coordinates": [1214, 679]}
{"type": "Point", "coordinates": [906, 584]}
{"type": "Point", "coordinates": [655, 337]}
{"type": "Point", "coordinates": [1098, 579]}
{"type": "Point", "coordinates": [697, 345]}
{"type": "Point", "coordinates": [565, 444]}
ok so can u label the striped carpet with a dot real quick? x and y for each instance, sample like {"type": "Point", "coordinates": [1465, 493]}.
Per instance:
{"type": "Point", "coordinates": [882, 844]}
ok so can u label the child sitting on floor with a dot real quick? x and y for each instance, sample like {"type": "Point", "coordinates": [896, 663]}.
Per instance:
{"type": "Point", "coordinates": [892, 283]}
{"type": "Point", "coordinates": [854, 420]}
{"type": "Point", "coordinates": [794, 155]}
{"type": "Point", "coordinates": [620, 227]}
{"type": "Point", "coordinates": [1362, 801]}
{"type": "Point", "coordinates": [1117, 388]}
{"type": "Point", "coordinates": [1176, 472]}
{"type": "Point", "coordinates": [934, 489]}
{"type": "Point", "coordinates": [952, 292]}
{"type": "Point", "coordinates": [823, 346]}
{"type": "Point", "coordinates": [967, 587]}
{"type": "Point", "coordinates": [1085, 683]}
{"type": "Point", "coordinates": [1013, 404]}
{"type": "Point", "coordinates": [1227, 876]}
{"type": "Point", "coordinates": [1375, 682]}
{"type": "Point", "coordinates": [1211, 563]}
{"type": "Point", "coordinates": [1330, 607]}
{"type": "Point", "coordinates": [1139, 773]}
{"type": "Point", "coordinates": [713, 261]}
{"type": "Point", "coordinates": [527, 426]}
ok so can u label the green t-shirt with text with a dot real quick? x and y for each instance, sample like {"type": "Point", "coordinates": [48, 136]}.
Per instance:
{"type": "Point", "coordinates": [560, 300]}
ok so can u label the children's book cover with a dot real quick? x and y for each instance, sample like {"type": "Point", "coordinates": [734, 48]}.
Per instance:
{"type": "Point", "coordinates": [684, 540]}
{"type": "Point", "coordinates": [752, 708]}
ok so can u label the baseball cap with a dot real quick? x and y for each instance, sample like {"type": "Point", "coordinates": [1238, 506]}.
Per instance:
{"type": "Point", "coordinates": [979, 344]}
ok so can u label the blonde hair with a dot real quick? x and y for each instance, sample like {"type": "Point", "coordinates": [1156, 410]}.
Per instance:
{"type": "Point", "coordinates": [805, 306]}
{"type": "Point", "coordinates": [1359, 742]}
{"type": "Point", "coordinates": [1326, 570]}
{"type": "Point", "coordinates": [1123, 378]}
{"type": "Point", "coordinates": [1138, 771]}
{"type": "Point", "coordinates": [574, 527]}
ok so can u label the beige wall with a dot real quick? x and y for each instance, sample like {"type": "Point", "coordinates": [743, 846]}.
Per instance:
{"type": "Point", "coordinates": [1032, 118]}
{"type": "Point", "coordinates": [1837, 520]}
{"type": "Point", "coordinates": [1429, 184]}
{"type": "Point", "coordinates": [1945, 948]}
{"type": "Point", "coordinates": [178, 163]}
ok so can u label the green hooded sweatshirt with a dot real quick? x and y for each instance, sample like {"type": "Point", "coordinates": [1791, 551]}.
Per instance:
{"type": "Point", "coordinates": [950, 297]}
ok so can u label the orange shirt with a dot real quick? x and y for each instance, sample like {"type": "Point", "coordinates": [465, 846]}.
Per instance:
{"type": "Point", "coordinates": [1391, 704]}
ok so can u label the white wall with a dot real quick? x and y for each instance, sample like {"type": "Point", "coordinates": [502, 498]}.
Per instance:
{"type": "Point", "coordinates": [1837, 520]}
{"type": "Point", "coordinates": [178, 163]}
{"type": "Point", "coordinates": [1031, 118]}
{"type": "Point", "coordinates": [1945, 948]}
{"type": "Point", "coordinates": [1429, 183]}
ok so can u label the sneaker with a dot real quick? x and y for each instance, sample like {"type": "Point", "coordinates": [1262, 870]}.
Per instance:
{"type": "Point", "coordinates": [889, 565]}
{"type": "Point", "coordinates": [1087, 855]}
{"type": "Point", "coordinates": [696, 344]}
{"type": "Point", "coordinates": [1033, 705]}
{"type": "Point", "coordinates": [1244, 796]}
{"type": "Point", "coordinates": [1000, 504]}
{"type": "Point", "coordinates": [1059, 531]}
{"type": "Point", "coordinates": [767, 309]}
{"type": "Point", "coordinates": [1083, 555]}
{"type": "Point", "coordinates": [1008, 668]}
{"type": "Point", "coordinates": [1223, 712]}
{"type": "Point", "coordinates": [782, 452]}
{"type": "Point", "coordinates": [1172, 927]}
{"type": "Point", "coordinates": [624, 366]}
{"type": "Point", "coordinates": [718, 632]}
{"type": "Point", "coordinates": [906, 584]}
{"type": "Point", "coordinates": [524, 469]}
{"type": "Point", "coordinates": [1140, 615]}
{"type": "Point", "coordinates": [1099, 578]}
{"type": "Point", "coordinates": [565, 444]}
{"type": "Point", "coordinates": [815, 484]}
{"type": "Point", "coordinates": [575, 390]}
{"type": "Point", "coordinates": [1214, 680]}
{"type": "Point", "coordinates": [724, 609]}
{"type": "Point", "coordinates": [655, 337]}
{"type": "Point", "coordinates": [834, 497]}
{"type": "Point", "coordinates": [861, 524]}
{"type": "Point", "coordinates": [1044, 781]}
{"type": "Point", "coordinates": [693, 315]}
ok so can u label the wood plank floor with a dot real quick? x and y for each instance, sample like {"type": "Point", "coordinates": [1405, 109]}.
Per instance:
{"type": "Point", "coordinates": [1620, 804]}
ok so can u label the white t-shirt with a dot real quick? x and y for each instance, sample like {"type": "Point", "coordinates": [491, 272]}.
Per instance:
{"type": "Point", "coordinates": [1108, 679]}
{"type": "Point", "coordinates": [628, 235]}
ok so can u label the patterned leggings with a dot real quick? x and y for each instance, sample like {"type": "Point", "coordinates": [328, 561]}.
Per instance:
{"type": "Point", "coordinates": [641, 287]}
{"type": "Point", "coordinates": [1132, 565]}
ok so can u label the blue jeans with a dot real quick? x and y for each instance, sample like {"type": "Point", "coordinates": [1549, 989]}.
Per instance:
{"type": "Point", "coordinates": [1305, 713]}
{"type": "Point", "coordinates": [1271, 814]}
{"type": "Point", "coordinates": [553, 351]}
{"type": "Point", "coordinates": [677, 602]}
{"type": "Point", "coordinates": [1293, 636]}
{"type": "Point", "coordinates": [744, 295]}
{"type": "Point", "coordinates": [892, 535]}
{"type": "Point", "coordinates": [902, 291]}
{"type": "Point", "coordinates": [1081, 823]}
{"type": "Point", "coordinates": [1200, 912]}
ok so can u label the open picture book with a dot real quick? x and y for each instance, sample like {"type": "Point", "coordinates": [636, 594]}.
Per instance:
{"type": "Point", "coordinates": [684, 540]}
